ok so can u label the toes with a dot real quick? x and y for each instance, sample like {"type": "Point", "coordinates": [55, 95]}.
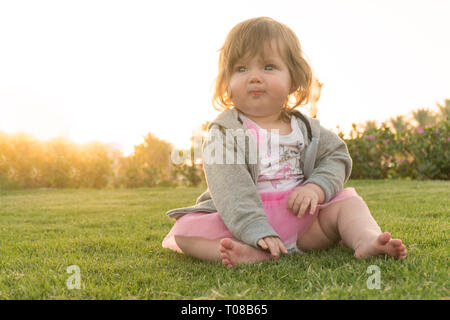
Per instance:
{"type": "Point", "coordinates": [222, 243]}
{"type": "Point", "coordinates": [384, 238]}
{"type": "Point", "coordinates": [225, 256]}
{"type": "Point", "coordinates": [226, 243]}
{"type": "Point", "coordinates": [226, 260]}
{"type": "Point", "coordinates": [403, 255]}
{"type": "Point", "coordinates": [222, 249]}
{"type": "Point", "coordinates": [400, 249]}
{"type": "Point", "coordinates": [396, 242]}
{"type": "Point", "coordinates": [227, 263]}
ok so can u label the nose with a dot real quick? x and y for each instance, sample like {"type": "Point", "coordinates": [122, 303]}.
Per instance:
{"type": "Point", "coordinates": [255, 77]}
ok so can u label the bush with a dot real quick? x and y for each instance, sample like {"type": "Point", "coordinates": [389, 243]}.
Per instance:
{"type": "Point", "coordinates": [420, 153]}
{"type": "Point", "coordinates": [28, 163]}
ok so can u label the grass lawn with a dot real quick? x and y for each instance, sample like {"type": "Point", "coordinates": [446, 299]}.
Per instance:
{"type": "Point", "coordinates": [114, 237]}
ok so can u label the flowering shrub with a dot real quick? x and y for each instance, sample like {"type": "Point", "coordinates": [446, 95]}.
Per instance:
{"type": "Point", "coordinates": [420, 153]}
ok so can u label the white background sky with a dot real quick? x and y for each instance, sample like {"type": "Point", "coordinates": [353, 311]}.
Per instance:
{"type": "Point", "coordinates": [112, 71]}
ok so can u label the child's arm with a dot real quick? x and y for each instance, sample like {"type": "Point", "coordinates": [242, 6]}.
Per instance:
{"type": "Point", "coordinates": [274, 245]}
{"type": "Point", "coordinates": [233, 191]}
{"type": "Point", "coordinates": [305, 196]}
{"type": "Point", "coordinates": [332, 166]}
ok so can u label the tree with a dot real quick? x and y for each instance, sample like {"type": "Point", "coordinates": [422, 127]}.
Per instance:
{"type": "Point", "coordinates": [423, 117]}
{"type": "Point", "coordinates": [444, 110]}
{"type": "Point", "coordinates": [95, 167]}
{"type": "Point", "coordinates": [370, 125]}
{"type": "Point", "coordinates": [153, 152]}
{"type": "Point", "coordinates": [399, 124]}
{"type": "Point", "coordinates": [149, 165]}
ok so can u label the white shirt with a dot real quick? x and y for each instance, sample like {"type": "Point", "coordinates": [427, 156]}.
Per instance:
{"type": "Point", "coordinates": [279, 156]}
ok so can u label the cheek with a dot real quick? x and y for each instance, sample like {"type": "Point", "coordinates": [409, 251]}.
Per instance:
{"type": "Point", "coordinates": [282, 88]}
{"type": "Point", "coordinates": [235, 87]}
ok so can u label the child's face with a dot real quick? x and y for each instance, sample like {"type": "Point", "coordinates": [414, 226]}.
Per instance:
{"type": "Point", "coordinates": [260, 85]}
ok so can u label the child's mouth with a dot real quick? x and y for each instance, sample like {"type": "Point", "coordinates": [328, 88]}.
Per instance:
{"type": "Point", "coordinates": [256, 93]}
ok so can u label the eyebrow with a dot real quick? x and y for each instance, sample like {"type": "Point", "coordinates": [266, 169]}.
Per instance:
{"type": "Point", "coordinates": [270, 59]}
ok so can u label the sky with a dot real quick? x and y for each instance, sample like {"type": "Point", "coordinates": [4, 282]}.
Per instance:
{"type": "Point", "coordinates": [113, 71]}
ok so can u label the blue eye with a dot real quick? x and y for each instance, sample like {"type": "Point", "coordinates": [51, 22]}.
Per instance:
{"type": "Point", "coordinates": [269, 67]}
{"type": "Point", "coordinates": [241, 69]}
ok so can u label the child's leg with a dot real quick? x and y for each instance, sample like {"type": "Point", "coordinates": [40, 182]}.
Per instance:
{"type": "Point", "coordinates": [230, 251]}
{"type": "Point", "coordinates": [200, 248]}
{"type": "Point", "coordinates": [234, 252]}
{"type": "Point", "coordinates": [351, 221]}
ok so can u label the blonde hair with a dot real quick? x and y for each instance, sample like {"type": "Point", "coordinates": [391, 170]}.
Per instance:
{"type": "Point", "coordinates": [249, 38]}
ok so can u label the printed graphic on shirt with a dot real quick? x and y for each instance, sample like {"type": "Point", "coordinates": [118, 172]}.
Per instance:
{"type": "Point", "coordinates": [279, 169]}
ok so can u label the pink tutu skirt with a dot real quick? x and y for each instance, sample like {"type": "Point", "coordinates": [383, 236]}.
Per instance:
{"type": "Point", "coordinates": [283, 221]}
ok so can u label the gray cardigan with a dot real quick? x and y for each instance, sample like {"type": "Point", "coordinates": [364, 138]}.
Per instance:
{"type": "Point", "coordinates": [232, 191]}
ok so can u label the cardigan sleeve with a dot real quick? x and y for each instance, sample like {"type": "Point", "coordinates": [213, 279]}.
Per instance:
{"type": "Point", "coordinates": [333, 164]}
{"type": "Point", "coordinates": [232, 188]}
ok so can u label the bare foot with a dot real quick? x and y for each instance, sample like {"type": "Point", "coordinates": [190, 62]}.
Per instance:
{"type": "Point", "coordinates": [234, 252]}
{"type": "Point", "coordinates": [383, 244]}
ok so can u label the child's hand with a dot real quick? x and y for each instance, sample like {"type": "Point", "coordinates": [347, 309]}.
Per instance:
{"type": "Point", "coordinates": [274, 245]}
{"type": "Point", "coordinates": [301, 198]}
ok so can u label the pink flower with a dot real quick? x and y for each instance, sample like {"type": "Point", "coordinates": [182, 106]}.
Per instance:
{"type": "Point", "coordinates": [370, 137]}
{"type": "Point", "coordinates": [448, 139]}
{"type": "Point", "coordinates": [420, 130]}
{"type": "Point", "coordinates": [386, 141]}
{"type": "Point", "coordinates": [356, 153]}
{"type": "Point", "coordinates": [437, 131]}
{"type": "Point", "coordinates": [371, 163]}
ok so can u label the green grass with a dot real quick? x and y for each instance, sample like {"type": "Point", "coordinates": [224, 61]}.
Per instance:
{"type": "Point", "coordinates": [114, 236]}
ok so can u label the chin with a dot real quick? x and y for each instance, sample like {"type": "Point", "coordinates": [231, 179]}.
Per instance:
{"type": "Point", "coordinates": [257, 112]}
